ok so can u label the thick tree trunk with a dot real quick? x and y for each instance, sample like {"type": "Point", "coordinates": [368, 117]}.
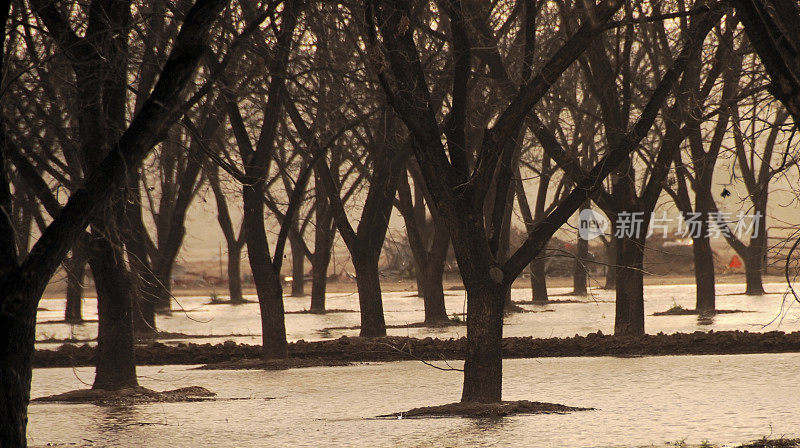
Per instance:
{"type": "Point", "coordinates": [539, 280]}
{"type": "Point", "coordinates": [298, 269]}
{"type": "Point", "coordinates": [579, 274]}
{"type": "Point", "coordinates": [753, 271]}
{"type": "Point", "coordinates": [76, 272]}
{"type": "Point", "coordinates": [629, 319]}
{"type": "Point", "coordinates": [486, 290]}
{"type": "Point", "coordinates": [483, 366]}
{"type": "Point", "coordinates": [17, 335]}
{"type": "Point", "coordinates": [369, 292]}
{"type": "Point", "coordinates": [273, 330]}
{"type": "Point", "coordinates": [116, 368]}
{"type": "Point", "coordinates": [704, 274]}
{"type": "Point", "coordinates": [235, 273]}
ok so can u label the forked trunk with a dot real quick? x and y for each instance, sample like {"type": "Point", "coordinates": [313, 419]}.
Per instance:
{"type": "Point", "coordinates": [265, 277]}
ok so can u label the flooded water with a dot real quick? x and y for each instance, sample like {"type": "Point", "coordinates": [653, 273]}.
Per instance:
{"type": "Point", "coordinates": [651, 401]}
{"type": "Point", "coordinates": [194, 316]}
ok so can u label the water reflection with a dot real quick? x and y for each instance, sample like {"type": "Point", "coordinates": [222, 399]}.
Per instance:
{"type": "Point", "coordinates": [705, 319]}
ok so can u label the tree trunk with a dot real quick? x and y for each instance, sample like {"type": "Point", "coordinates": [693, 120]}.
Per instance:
{"type": "Point", "coordinates": [369, 292]}
{"type": "Point", "coordinates": [539, 280]}
{"type": "Point", "coordinates": [116, 368]}
{"type": "Point", "coordinates": [162, 297]}
{"type": "Point", "coordinates": [324, 234]}
{"type": "Point", "coordinates": [265, 277]}
{"type": "Point", "coordinates": [756, 253]}
{"type": "Point", "coordinates": [235, 273]}
{"type": "Point", "coordinates": [579, 274]}
{"type": "Point", "coordinates": [273, 329]}
{"type": "Point", "coordinates": [17, 335]}
{"type": "Point", "coordinates": [753, 271]}
{"type": "Point", "coordinates": [319, 284]}
{"type": "Point", "coordinates": [483, 366]}
{"type": "Point", "coordinates": [323, 243]}
{"type": "Point", "coordinates": [298, 268]}
{"type": "Point", "coordinates": [144, 309]}
{"type": "Point", "coordinates": [76, 272]}
{"type": "Point", "coordinates": [611, 257]}
{"type": "Point", "coordinates": [629, 319]}
{"type": "Point", "coordinates": [135, 236]}
{"type": "Point", "coordinates": [163, 286]}
{"type": "Point", "coordinates": [430, 280]}
{"type": "Point", "coordinates": [704, 274]}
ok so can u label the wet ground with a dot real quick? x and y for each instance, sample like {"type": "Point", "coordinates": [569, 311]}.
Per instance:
{"type": "Point", "coordinates": [195, 316]}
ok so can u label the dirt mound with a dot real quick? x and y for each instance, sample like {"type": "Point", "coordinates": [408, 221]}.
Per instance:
{"type": "Point", "coordinates": [773, 443]}
{"type": "Point", "coordinates": [392, 348]}
{"type": "Point", "coordinates": [501, 409]}
{"type": "Point", "coordinates": [680, 311]}
{"type": "Point", "coordinates": [129, 396]}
